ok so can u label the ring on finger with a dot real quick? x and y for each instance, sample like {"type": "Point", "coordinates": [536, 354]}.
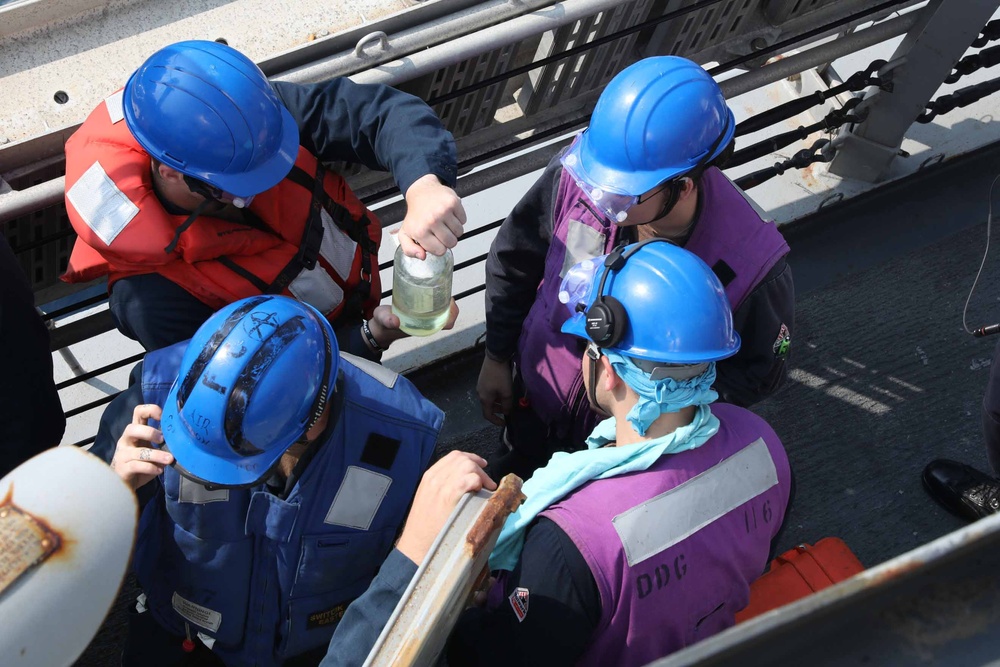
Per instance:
{"type": "Point", "coordinates": [144, 455]}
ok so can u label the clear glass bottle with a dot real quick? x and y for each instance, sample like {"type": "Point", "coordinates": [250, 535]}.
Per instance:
{"type": "Point", "coordinates": [421, 292]}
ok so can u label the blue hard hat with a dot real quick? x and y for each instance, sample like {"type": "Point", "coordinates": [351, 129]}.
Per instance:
{"type": "Point", "coordinates": [206, 110]}
{"type": "Point", "coordinates": [675, 310]}
{"type": "Point", "coordinates": [656, 120]}
{"type": "Point", "coordinates": [254, 379]}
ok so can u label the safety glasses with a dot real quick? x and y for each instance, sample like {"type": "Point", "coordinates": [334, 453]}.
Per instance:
{"type": "Point", "coordinates": [209, 191]}
{"type": "Point", "coordinates": [577, 284]}
{"type": "Point", "coordinates": [615, 205]}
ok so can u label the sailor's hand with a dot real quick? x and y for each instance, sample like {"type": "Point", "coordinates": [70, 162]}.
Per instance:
{"type": "Point", "coordinates": [135, 459]}
{"type": "Point", "coordinates": [496, 390]}
{"type": "Point", "coordinates": [434, 218]}
{"type": "Point", "coordinates": [441, 487]}
{"type": "Point", "coordinates": [384, 325]}
{"type": "Point", "coordinates": [481, 595]}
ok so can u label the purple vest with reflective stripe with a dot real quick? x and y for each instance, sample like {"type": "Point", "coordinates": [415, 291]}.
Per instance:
{"type": "Point", "coordinates": [673, 549]}
{"type": "Point", "coordinates": [728, 230]}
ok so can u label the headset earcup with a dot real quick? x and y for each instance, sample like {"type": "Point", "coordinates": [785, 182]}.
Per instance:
{"type": "Point", "coordinates": [606, 321]}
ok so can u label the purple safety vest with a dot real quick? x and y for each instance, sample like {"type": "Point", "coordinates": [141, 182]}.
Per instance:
{"type": "Point", "coordinates": [674, 548]}
{"type": "Point", "coordinates": [729, 230]}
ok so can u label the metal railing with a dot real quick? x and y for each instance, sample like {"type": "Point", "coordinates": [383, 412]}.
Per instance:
{"type": "Point", "coordinates": [562, 115]}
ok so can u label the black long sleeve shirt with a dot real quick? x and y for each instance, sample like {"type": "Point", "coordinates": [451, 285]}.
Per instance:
{"type": "Point", "coordinates": [516, 263]}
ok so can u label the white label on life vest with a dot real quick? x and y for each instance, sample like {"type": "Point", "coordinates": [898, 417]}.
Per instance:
{"type": "Point", "coordinates": [358, 499]}
{"type": "Point", "coordinates": [100, 203]}
{"type": "Point", "coordinates": [195, 613]}
{"type": "Point", "coordinates": [114, 106]}
{"type": "Point", "coordinates": [663, 521]}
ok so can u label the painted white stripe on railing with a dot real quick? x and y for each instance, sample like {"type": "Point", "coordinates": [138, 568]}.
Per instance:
{"type": "Point", "coordinates": [663, 521]}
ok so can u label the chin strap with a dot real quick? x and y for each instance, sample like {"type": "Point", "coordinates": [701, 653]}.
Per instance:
{"type": "Point", "coordinates": [187, 223]}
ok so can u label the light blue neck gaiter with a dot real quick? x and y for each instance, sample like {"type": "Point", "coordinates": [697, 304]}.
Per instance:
{"type": "Point", "coordinates": [568, 471]}
{"type": "Point", "coordinates": [659, 396]}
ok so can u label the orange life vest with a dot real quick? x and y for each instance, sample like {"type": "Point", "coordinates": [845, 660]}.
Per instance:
{"type": "Point", "coordinates": [308, 237]}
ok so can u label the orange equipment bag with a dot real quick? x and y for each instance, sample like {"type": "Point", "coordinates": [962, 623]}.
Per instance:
{"type": "Point", "coordinates": [800, 572]}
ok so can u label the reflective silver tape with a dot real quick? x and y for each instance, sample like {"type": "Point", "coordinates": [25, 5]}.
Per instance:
{"type": "Point", "coordinates": [384, 376]}
{"type": "Point", "coordinates": [582, 242]}
{"type": "Point", "coordinates": [358, 499]}
{"type": "Point", "coordinates": [317, 288]}
{"type": "Point", "coordinates": [337, 247]}
{"type": "Point", "coordinates": [661, 522]}
{"type": "Point", "coordinates": [189, 491]}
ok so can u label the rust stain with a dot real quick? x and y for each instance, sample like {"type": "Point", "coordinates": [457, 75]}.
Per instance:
{"type": "Point", "coordinates": [504, 501]}
{"type": "Point", "coordinates": [46, 531]}
{"type": "Point", "coordinates": [895, 572]}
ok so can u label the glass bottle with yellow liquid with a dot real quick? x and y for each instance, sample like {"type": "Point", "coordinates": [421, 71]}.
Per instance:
{"type": "Point", "coordinates": [421, 292]}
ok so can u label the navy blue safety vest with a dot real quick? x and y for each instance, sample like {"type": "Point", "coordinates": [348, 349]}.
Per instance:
{"type": "Point", "coordinates": [269, 578]}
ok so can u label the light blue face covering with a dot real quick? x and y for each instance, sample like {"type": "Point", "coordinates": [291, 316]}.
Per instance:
{"type": "Point", "coordinates": [659, 396]}
{"type": "Point", "coordinates": [568, 471]}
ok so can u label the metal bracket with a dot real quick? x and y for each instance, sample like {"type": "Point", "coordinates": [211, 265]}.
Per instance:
{"type": "Point", "coordinates": [378, 35]}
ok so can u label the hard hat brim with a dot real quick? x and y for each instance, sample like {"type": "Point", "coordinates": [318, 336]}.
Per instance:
{"type": "Point", "coordinates": [269, 173]}
{"type": "Point", "coordinates": [192, 461]}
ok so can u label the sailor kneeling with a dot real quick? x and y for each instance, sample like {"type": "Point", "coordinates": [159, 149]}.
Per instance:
{"type": "Point", "coordinates": [283, 471]}
{"type": "Point", "coordinates": [648, 540]}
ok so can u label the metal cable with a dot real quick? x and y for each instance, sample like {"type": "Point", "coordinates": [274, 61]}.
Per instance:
{"type": "Point", "coordinates": [583, 48]}
{"type": "Point", "coordinates": [958, 99]}
{"type": "Point", "coordinates": [831, 121]}
{"type": "Point", "coordinates": [973, 63]}
{"type": "Point", "coordinates": [780, 46]}
{"type": "Point", "coordinates": [854, 83]}
{"type": "Point", "coordinates": [820, 151]}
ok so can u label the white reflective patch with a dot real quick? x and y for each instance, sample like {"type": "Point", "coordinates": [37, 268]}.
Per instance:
{"type": "Point", "coordinates": [317, 288]}
{"type": "Point", "coordinates": [384, 376]}
{"type": "Point", "coordinates": [582, 242]}
{"type": "Point", "coordinates": [114, 106]}
{"type": "Point", "coordinates": [189, 491]}
{"type": "Point", "coordinates": [337, 248]}
{"type": "Point", "coordinates": [663, 521]}
{"type": "Point", "coordinates": [195, 613]}
{"type": "Point", "coordinates": [358, 499]}
{"type": "Point", "coordinates": [209, 642]}
{"type": "Point", "coordinates": [100, 203]}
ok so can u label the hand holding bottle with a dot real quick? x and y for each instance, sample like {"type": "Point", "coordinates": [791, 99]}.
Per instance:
{"type": "Point", "coordinates": [384, 324]}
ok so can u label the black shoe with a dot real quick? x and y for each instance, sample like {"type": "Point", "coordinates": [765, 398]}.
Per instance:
{"type": "Point", "coordinates": [961, 489]}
